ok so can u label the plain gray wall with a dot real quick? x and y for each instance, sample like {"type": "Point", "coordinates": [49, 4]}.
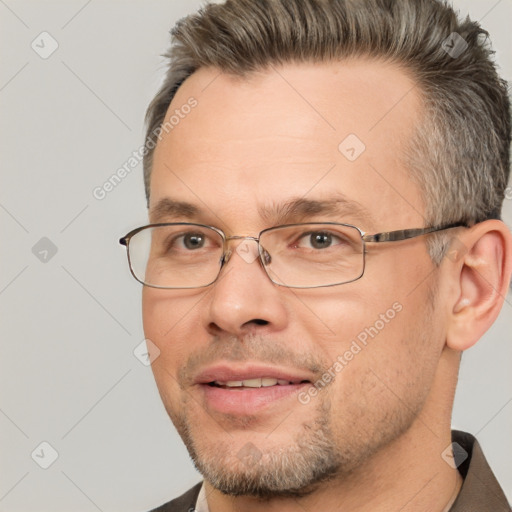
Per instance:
{"type": "Point", "coordinates": [70, 324]}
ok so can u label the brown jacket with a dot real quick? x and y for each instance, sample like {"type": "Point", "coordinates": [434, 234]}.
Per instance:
{"type": "Point", "coordinates": [480, 491]}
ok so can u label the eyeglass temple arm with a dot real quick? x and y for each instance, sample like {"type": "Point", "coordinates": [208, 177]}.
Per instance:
{"type": "Point", "coordinates": [404, 234]}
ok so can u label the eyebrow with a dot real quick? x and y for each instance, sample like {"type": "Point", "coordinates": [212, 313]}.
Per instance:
{"type": "Point", "coordinates": [294, 210]}
{"type": "Point", "coordinates": [300, 209]}
{"type": "Point", "coordinates": [170, 208]}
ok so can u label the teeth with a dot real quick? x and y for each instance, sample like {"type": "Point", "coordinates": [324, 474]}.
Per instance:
{"type": "Point", "coordinates": [253, 383]}
{"type": "Point", "coordinates": [233, 383]}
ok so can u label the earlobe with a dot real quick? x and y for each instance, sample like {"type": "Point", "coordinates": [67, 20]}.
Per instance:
{"type": "Point", "coordinates": [483, 276]}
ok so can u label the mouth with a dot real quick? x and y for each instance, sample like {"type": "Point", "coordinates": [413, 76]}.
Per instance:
{"type": "Point", "coordinates": [250, 389]}
{"type": "Point", "coordinates": [263, 382]}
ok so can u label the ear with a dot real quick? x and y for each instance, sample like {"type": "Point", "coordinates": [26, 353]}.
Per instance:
{"type": "Point", "coordinates": [481, 266]}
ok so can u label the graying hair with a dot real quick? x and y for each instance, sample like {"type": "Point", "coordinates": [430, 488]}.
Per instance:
{"type": "Point", "coordinates": [459, 155]}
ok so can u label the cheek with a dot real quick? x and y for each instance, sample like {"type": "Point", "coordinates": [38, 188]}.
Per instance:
{"type": "Point", "coordinates": [336, 317]}
{"type": "Point", "coordinates": [382, 382]}
{"type": "Point", "coordinates": [170, 322]}
{"type": "Point", "coordinates": [377, 333]}
{"type": "Point", "coordinates": [390, 364]}
{"type": "Point", "coordinates": [166, 312]}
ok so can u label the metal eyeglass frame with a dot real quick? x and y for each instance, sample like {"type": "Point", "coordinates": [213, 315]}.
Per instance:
{"type": "Point", "coordinates": [385, 236]}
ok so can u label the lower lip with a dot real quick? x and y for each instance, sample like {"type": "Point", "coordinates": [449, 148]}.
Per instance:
{"type": "Point", "coordinates": [247, 401]}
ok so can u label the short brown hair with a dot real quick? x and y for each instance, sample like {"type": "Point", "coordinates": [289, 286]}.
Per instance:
{"type": "Point", "coordinates": [458, 156]}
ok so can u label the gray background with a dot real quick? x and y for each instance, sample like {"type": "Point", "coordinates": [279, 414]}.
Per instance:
{"type": "Point", "coordinates": [68, 375]}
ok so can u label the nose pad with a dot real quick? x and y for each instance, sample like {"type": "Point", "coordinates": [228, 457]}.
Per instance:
{"type": "Point", "coordinates": [225, 257]}
{"type": "Point", "coordinates": [267, 259]}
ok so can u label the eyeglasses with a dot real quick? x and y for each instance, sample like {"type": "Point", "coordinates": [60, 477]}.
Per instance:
{"type": "Point", "coordinates": [185, 255]}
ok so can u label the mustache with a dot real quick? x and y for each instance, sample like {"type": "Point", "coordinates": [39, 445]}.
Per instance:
{"type": "Point", "coordinates": [246, 349]}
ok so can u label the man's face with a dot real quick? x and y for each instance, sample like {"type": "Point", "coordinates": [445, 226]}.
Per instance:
{"type": "Point", "coordinates": [260, 142]}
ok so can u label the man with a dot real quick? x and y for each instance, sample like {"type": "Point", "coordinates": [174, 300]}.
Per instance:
{"type": "Point", "coordinates": [324, 183]}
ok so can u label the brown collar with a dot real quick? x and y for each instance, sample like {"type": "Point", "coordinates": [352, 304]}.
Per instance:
{"type": "Point", "coordinates": [480, 491]}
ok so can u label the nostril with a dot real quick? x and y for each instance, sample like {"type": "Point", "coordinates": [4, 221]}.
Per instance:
{"type": "Point", "coordinates": [259, 321]}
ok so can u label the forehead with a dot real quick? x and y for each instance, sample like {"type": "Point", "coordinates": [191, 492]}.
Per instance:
{"type": "Point", "coordinates": [289, 132]}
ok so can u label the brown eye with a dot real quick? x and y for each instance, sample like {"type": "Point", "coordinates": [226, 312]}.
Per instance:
{"type": "Point", "coordinates": [193, 240]}
{"type": "Point", "coordinates": [320, 240]}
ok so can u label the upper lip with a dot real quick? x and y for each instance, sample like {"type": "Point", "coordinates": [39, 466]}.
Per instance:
{"type": "Point", "coordinates": [230, 372]}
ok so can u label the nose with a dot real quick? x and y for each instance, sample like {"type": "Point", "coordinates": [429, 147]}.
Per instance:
{"type": "Point", "coordinates": [243, 299]}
